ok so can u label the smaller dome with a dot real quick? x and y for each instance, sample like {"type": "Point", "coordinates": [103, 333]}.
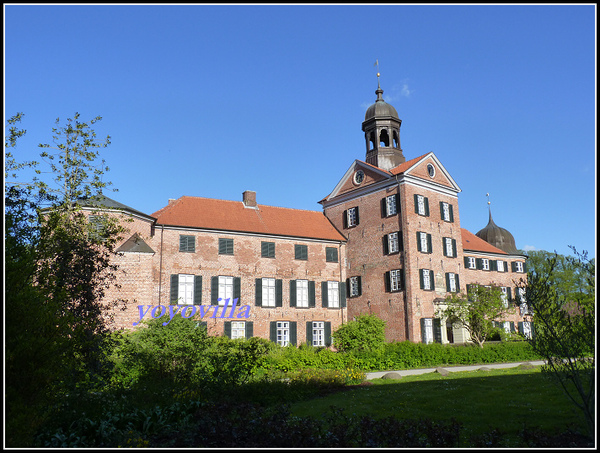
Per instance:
{"type": "Point", "coordinates": [380, 108]}
{"type": "Point", "coordinates": [498, 237]}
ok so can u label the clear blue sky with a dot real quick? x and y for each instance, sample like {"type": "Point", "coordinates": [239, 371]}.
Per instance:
{"type": "Point", "coordinates": [214, 100]}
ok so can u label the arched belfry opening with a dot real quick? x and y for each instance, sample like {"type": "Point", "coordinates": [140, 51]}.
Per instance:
{"type": "Point", "coordinates": [382, 133]}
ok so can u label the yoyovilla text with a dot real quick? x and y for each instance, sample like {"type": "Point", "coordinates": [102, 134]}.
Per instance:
{"type": "Point", "coordinates": [187, 311]}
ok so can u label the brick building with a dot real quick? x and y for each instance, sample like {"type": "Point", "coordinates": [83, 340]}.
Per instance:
{"type": "Point", "coordinates": [388, 242]}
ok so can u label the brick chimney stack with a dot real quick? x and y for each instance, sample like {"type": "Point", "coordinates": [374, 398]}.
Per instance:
{"type": "Point", "coordinates": [249, 199]}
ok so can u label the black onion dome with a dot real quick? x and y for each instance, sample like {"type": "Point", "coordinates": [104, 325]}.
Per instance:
{"type": "Point", "coordinates": [498, 237]}
{"type": "Point", "coordinates": [380, 109]}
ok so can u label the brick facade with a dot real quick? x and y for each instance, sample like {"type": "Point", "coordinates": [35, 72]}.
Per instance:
{"type": "Point", "coordinates": [394, 232]}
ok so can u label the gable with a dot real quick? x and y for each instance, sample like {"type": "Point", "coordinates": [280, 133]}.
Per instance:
{"type": "Point", "coordinates": [418, 170]}
{"type": "Point", "coordinates": [372, 175]}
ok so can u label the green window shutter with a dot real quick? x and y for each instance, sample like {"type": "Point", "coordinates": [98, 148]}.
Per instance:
{"type": "Point", "coordinates": [512, 326]}
{"type": "Point", "coordinates": [327, 328]}
{"type": "Point", "coordinates": [525, 270]}
{"type": "Point", "coordinates": [386, 250]}
{"type": "Point", "coordinates": [454, 251]}
{"type": "Point", "coordinates": [423, 336]}
{"type": "Point", "coordinates": [174, 289]}
{"type": "Point", "coordinates": [416, 203]}
{"type": "Point", "coordinates": [457, 283]}
{"type": "Point", "coordinates": [237, 287]}
{"type": "Point", "coordinates": [357, 218]}
{"type": "Point", "coordinates": [508, 293]}
{"type": "Point", "coordinates": [345, 219]}
{"type": "Point", "coordinates": [311, 293]}
{"type": "Point", "coordinates": [278, 293]}
{"type": "Point", "coordinates": [359, 285]}
{"type": "Point", "coordinates": [442, 210]}
{"type": "Point", "coordinates": [437, 330]}
{"type": "Point", "coordinates": [493, 265]}
{"type": "Point", "coordinates": [331, 254]}
{"type": "Point", "coordinates": [466, 262]}
{"type": "Point", "coordinates": [419, 248]}
{"type": "Point", "coordinates": [387, 282]}
{"type": "Point", "coordinates": [267, 249]}
{"type": "Point", "coordinates": [249, 329]}
{"type": "Point", "coordinates": [324, 295]}
{"type": "Point", "coordinates": [273, 331]}
{"type": "Point", "coordinates": [447, 282]}
{"type": "Point", "coordinates": [258, 292]}
{"type": "Point", "coordinates": [513, 266]}
{"type": "Point", "coordinates": [309, 333]}
{"type": "Point", "coordinates": [293, 335]}
{"type": "Point", "coordinates": [429, 244]}
{"type": "Point", "coordinates": [227, 329]}
{"type": "Point", "coordinates": [342, 294]}
{"type": "Point", "coordinates": [222, 246]}
{"type": "Point", "coordinates": [383, 205]}
{"type": "Point", "coordinates": [421, 282]}
{"type": "Point", "coordinates": [214, 290]}
{"type": "Point", "coordinates": [451, 213]}
{"type": "Point", "coordinates": [479, 263]}
{"type": "Point", "coordinates": [426, 206]}
{"type": "Point", "coordinates": [521, 330]}
{"type": "Point", "coordinates": [292, 293]}
{"type": "Point", "coordinates": [197, 289]}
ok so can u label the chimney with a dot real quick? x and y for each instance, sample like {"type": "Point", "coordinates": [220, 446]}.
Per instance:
{"type": "Point", "coordinates": [249, 199]}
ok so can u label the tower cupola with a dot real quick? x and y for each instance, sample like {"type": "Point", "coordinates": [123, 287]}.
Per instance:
{"type": "Point", "coordinates": [382, 133]}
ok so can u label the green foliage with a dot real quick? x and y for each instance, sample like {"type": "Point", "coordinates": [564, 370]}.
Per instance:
{"type": "Point", "coordinates": [365, 333]}
{"type": "Point", "coordinates": [475, 311]}
{"type": "Point", "coordinates": [560, 294]}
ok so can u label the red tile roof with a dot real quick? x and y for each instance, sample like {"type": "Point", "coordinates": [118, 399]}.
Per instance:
{"type": "Point", "coordinates": [476, 244]}
{"type": "Point", "coordinates": [197, 212]}
{"type": "Point", "coordinates": [406, 165]}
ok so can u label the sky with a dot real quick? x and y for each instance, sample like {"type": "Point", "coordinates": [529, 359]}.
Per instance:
{"type": "Point", "coordinates": [212, 100]}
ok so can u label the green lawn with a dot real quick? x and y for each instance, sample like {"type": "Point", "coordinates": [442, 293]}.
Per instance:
{"type": "Point", "coordinates": [507, 399]}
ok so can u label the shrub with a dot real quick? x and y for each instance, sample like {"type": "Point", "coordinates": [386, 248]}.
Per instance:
{"type": "Point", "coordinates": [365, 333]}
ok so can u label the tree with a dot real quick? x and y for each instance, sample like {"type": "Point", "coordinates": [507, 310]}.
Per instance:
{"type": "Point", "coordinates": [475, 311]}
{"type": "Point", "coordinates": [56, 271]}
{"type": "Point", "coordinates": [563, 314]}
{"type": "Point", "coordinates": [365, 333]}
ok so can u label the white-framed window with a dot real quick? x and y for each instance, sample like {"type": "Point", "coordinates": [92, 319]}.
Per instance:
{"type": "Point", "coordinates": [428, 330]}
{"type": "Point", "coordinates": [318, 333]}
{"type": "Point", "coordinates": [471, 262]}
{"type": "Point", "coordinates": [426, 279]}
{"type": "Point", "coordinates": [521, 294]}
{"type": "Point", "coordinates": [238, 329]}
{"type": "Point", "coordinates": [283, 333]}
{"type": "Point", "coordinates": [506, 325]}
{"type": "Point", "coordinates": [421, 205]}
{"type": "Point", "coordinates": [302, 293]}
{"type": "Point", "coordinates": [485, 264]}
{"type": "Point", "coordinates": [500, 266]}
{"type": "Point", "coordinates": [424, 242]}
{"type": "Point", "coordinates": [452, 282]}
{"type": "Point", "coordinates": [448, 245]}
{"type": "Point", "coordinates": [527, 329]}
{"type": "Point", "coordinates": [519, 266]}
{"type": "Point", "coordinates": [504, 296]}
{"type": "Point", "coordinates": [352, 214]}
{"type": "Point", "coordinates": [225, 289]}
{"type": "Point", "coordinates": [446, 212]}
{"type": "Point", "coordinates": [354, 286]}
{"type": "Point", "coordinates": [186, 289]}
{"type": "Point", "coordinates": [268, 292]}
{"type": "Point", "coordinates": [333, 294]}
{"type": "Point", "coordinates": [395, 280]}
{"type": "Point", "coordinates": [391, 207]}
{"type": "Point", "coordinates": [393, 243]}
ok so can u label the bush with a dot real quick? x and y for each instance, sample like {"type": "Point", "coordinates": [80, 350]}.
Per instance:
{"type": "Point", "coordinates": [365, 333]}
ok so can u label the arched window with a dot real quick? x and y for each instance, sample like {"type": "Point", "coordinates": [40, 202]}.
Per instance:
{"type": "Point", "coordinates": [384, 139]}
{"type": "Point", "coordinates": [396, 141]}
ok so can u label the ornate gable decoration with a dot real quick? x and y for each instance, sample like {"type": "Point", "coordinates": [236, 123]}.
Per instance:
{"type": "Point", "coordinates": [427, 171]}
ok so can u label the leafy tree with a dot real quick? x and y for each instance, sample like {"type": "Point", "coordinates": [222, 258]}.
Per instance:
{"type": "Point", "coordinates": [560, 293]}
{"type": "Point", "coordinates": [475, 311]}
{"type": "Point", "coordinates": [56, 272]}
{"type": "Point", "coordinates": [365, 333]}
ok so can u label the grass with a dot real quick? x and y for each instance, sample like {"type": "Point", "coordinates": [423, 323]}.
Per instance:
{"type": "Point", "coordinates": [507, 399]}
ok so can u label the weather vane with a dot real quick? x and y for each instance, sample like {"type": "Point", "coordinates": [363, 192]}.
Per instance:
{"type": "Point", "coordinates": [488, 197]}
{"type": "Point", "coordinates": [377, 66]}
